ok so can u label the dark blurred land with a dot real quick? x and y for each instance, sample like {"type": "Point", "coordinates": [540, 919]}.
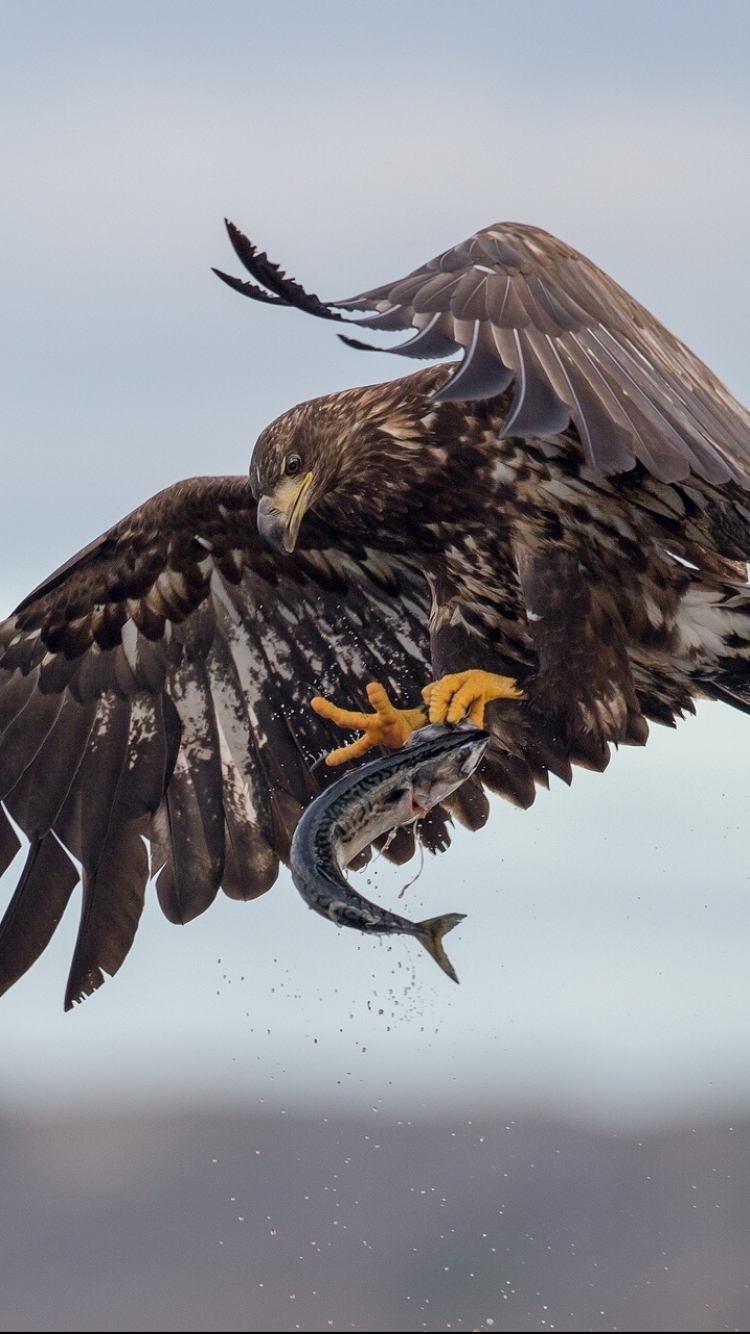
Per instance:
{"type": "Point", "coordinates": [201, 1222]}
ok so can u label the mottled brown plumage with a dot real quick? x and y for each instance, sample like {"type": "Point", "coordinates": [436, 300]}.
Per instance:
{"type": "Point", "coordinates": [568, 508]}
{"type": "Point", "coordinates": [610, 599]}
{"type": "Point", "coordinates": [159, 685]}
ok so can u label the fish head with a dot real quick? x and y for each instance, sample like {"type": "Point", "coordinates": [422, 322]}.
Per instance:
{"type": "Point", "coordinates": [444, 757]}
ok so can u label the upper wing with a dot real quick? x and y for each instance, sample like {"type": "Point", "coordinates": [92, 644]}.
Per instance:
{"type": "Point", "coordinates": [157, 686]}
{"type": "Point", "coordinates": [530, 311]}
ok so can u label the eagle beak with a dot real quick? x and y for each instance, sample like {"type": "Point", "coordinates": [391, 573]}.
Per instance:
{"type": "Point", "coordinates": [281, 513]}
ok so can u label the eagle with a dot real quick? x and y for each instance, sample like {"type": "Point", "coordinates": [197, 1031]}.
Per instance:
{"type": "Point", "coordinates": [546, 529]}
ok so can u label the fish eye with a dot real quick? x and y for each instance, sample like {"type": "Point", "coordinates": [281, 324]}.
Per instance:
{"type": "Point", "coordinates": [293, 465]}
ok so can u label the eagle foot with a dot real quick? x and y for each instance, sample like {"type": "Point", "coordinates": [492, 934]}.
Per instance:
{"type": "Point", "coordinates": [387, 726]}
{"type": "Point", "coordinates": [465, 694]}
{"type": "Point", "coordinates": [461, 695]}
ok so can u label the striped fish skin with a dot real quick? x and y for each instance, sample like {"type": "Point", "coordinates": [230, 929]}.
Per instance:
{"type": "Point", "coordinates": [373, 800]}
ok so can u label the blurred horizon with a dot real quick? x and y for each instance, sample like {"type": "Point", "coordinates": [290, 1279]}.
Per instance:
{"type": "Point", "coordinates": [190, 1221]}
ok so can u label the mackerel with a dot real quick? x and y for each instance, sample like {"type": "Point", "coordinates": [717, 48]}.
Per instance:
{"type": "Point", "coordinates": [373, 800]}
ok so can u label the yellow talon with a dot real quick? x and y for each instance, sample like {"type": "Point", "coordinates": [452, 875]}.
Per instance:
{"type": "Point", "coordinates": [387, 726]}
{"type": "Point", "coordinates": [448, 700]}
{"type": "Point", "coordinates": [465, 694]}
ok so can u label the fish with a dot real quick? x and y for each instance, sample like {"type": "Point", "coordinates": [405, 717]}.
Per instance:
{"type": "Point", "coordinates": [372, 800]}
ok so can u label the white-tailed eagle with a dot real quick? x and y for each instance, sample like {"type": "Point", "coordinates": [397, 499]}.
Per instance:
{"type": "Point", "coordinates": [551, 532]}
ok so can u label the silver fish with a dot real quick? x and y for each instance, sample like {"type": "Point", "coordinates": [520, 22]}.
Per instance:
{"type": "Point", "coordinates": [373, 800]}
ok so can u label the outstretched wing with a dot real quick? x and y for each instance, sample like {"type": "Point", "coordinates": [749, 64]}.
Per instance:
{"type": "Point", "coordinates": [529, 311]}
{"type": "Point", "coordinates": [157, 688]}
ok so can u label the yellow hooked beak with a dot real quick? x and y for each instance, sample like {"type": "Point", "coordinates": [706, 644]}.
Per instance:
{"type": "Point", "coordinates": [281, 513]}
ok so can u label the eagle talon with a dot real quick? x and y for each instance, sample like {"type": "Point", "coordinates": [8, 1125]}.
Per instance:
{"type": "Point", "coordinates": [465, 694]}
{"type": "Point", "coordinates": [387, 726]}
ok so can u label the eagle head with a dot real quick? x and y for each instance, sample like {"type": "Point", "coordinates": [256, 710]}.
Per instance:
{"type": "Point", "coordinates": [294, 464]}
{"type": "Point", "coordinates": [350, 456]}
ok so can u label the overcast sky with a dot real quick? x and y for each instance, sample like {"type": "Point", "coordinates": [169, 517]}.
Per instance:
{"type": "Point", "coordinates": [604, 959]}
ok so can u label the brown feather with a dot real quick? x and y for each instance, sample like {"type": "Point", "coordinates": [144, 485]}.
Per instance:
{"type": "Point", "coordinates": [46, 884]}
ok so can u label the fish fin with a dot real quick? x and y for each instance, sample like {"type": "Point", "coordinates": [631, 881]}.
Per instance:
{"type": "Point", "coordinates": [431, 935]}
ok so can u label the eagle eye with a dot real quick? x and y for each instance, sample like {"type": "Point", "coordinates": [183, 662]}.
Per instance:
{"type": "Point", "coordinates": [293, 465]}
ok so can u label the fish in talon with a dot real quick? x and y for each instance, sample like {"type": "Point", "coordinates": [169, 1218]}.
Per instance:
{"type": "Point", "coordinates": [373, 800]}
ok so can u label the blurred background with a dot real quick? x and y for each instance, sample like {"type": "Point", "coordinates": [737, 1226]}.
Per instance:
{"type": "Point", "coordinates": [561, 1141]}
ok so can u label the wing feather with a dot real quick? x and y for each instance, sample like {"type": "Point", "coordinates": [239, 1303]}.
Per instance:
{"type": "Point", "coordinates": [158, 689]}
{"type": "Point", "coordinates": [24, 737]}
{"type": "Point", "coordinates": [510, 288]}
{"type": "Point", "coordinates": [481, 367]}
{"type": "Point", "coordinates": [192, 819]}
{"type": "Point", "coordinates": [113, 897]}
{"type": "Point", "coordinates": [250, 862]}
{"type": "Point", "coordinates": [37, 798]}
{"type": "Point", "coordinates": [33, 914]}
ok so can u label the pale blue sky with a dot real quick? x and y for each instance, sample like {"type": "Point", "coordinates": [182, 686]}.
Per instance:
{"type": "Point", "coordinates": [604, 956]}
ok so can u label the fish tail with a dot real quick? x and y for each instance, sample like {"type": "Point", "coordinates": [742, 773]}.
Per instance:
{"type": "Point", "coordinates": [431, 933]}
